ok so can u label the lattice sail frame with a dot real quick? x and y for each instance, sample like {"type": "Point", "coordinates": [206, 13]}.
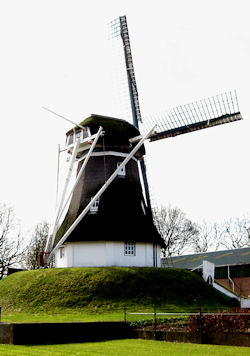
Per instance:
{"type": "Point", "coordinates": [119, 28]}
{"type": "Point", "coordinates": [115, 28]}
{"type": "Point", "coordinates": [202, 114]}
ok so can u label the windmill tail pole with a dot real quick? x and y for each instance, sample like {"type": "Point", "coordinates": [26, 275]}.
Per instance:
{"type": "Point", "coordinates": [100, 192]}
{"type": "Point", "coordinates": [99, 133]}
{"type": "Point", "coordinates": [54, 224]}
{"type": "Point", "coordinates": [53, 230]}
{"type": "Point", "coordinates": [63, 117]}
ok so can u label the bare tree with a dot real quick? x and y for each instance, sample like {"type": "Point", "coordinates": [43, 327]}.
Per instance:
{"type": "Point", "coordinates": [208, 238]}
{"type": "Point", "coordinates": [37, 244]}
{"type": "Point", "coordinates": [201, 241]}
{"type": "Point", "coordinates": [181, 234]}
{"type": "Point", "coordinates": [10, 240]}
{"type": "Point", "coordinates": [232, 233]}
{"type": "Point", "coordinates": [177, 231]}
{"type": "Point", "coordinates": [236, 233]}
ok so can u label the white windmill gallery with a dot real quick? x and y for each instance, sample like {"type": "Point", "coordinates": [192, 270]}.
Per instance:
{"type": "Point", "coordinates": [106, 219]}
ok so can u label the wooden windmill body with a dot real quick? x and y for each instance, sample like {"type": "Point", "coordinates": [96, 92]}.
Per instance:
{"type": "Point", "coordinates": [118, 229]}
{"type": "Point", "coordinates": [108, 221]}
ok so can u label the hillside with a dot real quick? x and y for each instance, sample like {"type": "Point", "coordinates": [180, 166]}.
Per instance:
{"type": "Point", "coordinates": [80, 288]}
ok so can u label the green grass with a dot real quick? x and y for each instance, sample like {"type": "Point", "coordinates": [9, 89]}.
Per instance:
{"type": "Point", "coordinates": [125, 348]}
{"type": "Point", "coordinates": [22, 317]}
{"type": "Point", "coordinates": [81, 292]}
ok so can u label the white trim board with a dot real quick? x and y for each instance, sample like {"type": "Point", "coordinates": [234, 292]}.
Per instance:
{"type": "Point", "coordinates": [108, 153]}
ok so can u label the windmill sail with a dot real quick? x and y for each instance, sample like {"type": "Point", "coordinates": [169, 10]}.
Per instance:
{"type": "Point", "coordinates": [119, 27]}
{"type": "Point", "coordinates": [202, 114]}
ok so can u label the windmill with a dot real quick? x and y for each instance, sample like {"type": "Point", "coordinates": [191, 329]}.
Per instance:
{"type": "Point", "coordinates": [108, 221]}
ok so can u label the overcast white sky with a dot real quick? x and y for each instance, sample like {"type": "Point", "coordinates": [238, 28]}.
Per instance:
{"type": "Point", "coordinates": [56, 54]}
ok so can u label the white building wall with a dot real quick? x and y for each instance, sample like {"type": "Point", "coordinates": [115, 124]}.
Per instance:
{"type": "Point", "coordinates": [66, 260]}
{"type": "Point", "coordinates": [105, 254]}
{"type": "Point", "coordinates": [208, 270]}
{"type": "Point", "coordinates": [89, 253]}
{"type": "Point", "coordinates": [158, 256]}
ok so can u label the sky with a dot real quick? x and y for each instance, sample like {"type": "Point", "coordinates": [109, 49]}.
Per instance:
{"type": "Point", "coordinates": [57, 54]}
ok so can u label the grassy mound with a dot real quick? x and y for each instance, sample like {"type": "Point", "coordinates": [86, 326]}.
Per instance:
{"type": "Point", "coordinates": [49, 290]}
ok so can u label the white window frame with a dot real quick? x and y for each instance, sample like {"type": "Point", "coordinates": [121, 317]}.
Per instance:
{"type": "Point", "coordinates": [74, 136]}
{"type": "Point", "coordinates": [70, 139]}
{"type": "Point", "coordinates": [95, 206]}
{"type": "Point", "coordinates": [129, 249]}
{"type": "Point", "coordinates": [122, 172]}
{"type": "Point", "coordinates": [62, 251]}
{"type": "Point", "coordinates": [78, 135]}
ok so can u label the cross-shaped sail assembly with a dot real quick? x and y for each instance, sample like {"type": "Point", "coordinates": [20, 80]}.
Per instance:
{"type": "Point", "coordinates": [213, 111]}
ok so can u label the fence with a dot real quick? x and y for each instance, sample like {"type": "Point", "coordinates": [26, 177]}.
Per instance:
{"type": "Point", "coordinates": [199, 321]}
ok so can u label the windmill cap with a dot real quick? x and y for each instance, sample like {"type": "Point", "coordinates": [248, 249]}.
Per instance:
{"type": "Point", "coordinates": [117, 131]}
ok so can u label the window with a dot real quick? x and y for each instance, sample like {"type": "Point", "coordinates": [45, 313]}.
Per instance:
{"type": "Point", "coordinates": [62, 252]}
{"type": "Point", "coordinates": [85, 133]}
{"type": "Point", "coordinates": [70, 139]}
{"type": "Point", "coordinates": [129, 248]}
{"type": "Point", "coordinates": [94, 207]}
{"type": "Point", "coordinates": [122, 172]}
{"type": "Point", "coordinates": [78, 135]}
